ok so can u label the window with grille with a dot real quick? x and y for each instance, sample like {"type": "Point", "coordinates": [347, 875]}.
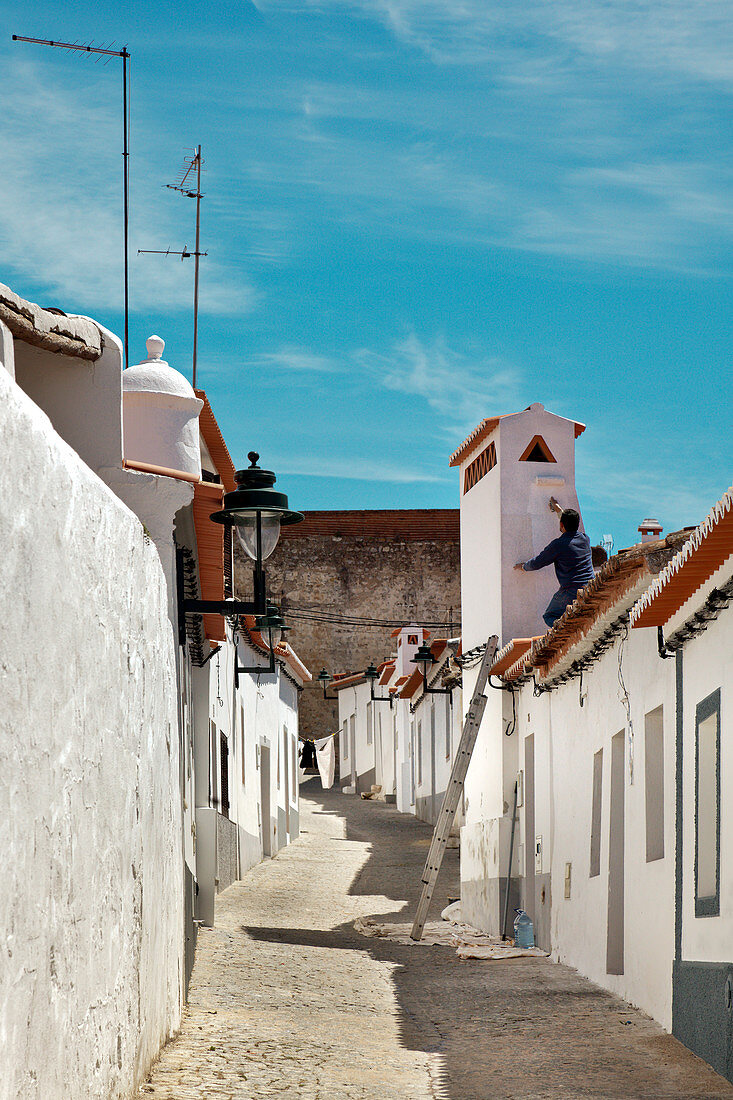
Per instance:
{"type": "Point", "coordinates": [479, 467]}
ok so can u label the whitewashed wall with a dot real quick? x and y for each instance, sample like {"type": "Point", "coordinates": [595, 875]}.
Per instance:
{"type": "Point", "coordinates": [707, 661]}
{"type": "Point", "coordinates": [354, 701]}
{"type": "Point", "coordinates": [566, 738]}
{"type": "Point", "coordinates": [92, 905]}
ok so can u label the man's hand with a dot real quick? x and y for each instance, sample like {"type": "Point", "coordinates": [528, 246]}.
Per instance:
{"type": "Point", "coordinates": [554, 506]}
{"type": "Point", "coordinates": [519, 565]}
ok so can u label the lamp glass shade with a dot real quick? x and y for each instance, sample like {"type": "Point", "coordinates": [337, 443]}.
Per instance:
{"type": "Point", "coordinates": [246, 529]}
{"type": "Point", "coordinates": [424, 659]}
{"type": "Point", "coordinates": [371, 673]}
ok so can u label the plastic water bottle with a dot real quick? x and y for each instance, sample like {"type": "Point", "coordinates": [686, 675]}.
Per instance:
{"type": "Point", "coordinates": [523, 930]}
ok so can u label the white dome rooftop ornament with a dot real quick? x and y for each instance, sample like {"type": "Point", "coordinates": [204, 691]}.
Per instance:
{"type": "Point", "coordinates": [154, 375]}
{"type": "Point", "coordinates": [160, 413]}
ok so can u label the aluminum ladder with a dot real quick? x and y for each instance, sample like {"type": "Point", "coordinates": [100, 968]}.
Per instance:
{"type": "Point", "coordinates": [452, 796]}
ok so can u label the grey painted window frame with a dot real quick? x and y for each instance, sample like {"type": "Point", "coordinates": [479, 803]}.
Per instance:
{"type": "Point", "coordinates": [708, 906]}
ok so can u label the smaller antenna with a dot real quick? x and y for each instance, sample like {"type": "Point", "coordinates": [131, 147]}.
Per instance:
{"type": "Point", "coordinates": [192, 190]}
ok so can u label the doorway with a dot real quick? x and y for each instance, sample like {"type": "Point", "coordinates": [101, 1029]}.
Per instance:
{"type": "Point", "coordinates": [265, 800]}
{"type": "Point", "coordinates": [615, 936]}
{"type": "Point", "coordinates": [529, 833]}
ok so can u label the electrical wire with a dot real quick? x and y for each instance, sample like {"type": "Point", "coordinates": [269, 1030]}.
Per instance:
{"type": "Point", "coordinates": [319, 615]}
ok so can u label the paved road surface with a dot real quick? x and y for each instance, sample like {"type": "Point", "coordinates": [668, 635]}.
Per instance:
{"type": "Point", "coordinates": [286, 1000]}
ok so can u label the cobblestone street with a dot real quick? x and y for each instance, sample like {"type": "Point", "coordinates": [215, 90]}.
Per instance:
{"type": "Point", "coordinates": [286, 1000]}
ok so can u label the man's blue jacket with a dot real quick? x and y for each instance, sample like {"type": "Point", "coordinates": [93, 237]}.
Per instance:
{"type": "Point", "coordinates": [571, 557]}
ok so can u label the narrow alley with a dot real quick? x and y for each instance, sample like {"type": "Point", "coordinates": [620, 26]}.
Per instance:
{"type": "Point", "coordinates": [287, 1000]}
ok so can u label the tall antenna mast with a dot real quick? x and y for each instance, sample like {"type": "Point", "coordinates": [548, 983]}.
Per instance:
{"type": "Point", "coordinates": [108, 52]}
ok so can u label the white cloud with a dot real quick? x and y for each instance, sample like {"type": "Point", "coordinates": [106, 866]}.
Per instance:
{"type": "Point", "coordinates": [461, 386]}
{"type": "Point", "coordinates": [61, 200]}
{"type": "Point", "coordinates": [294, 358]}
{"type": "Point", "coordinates": [668, 36]}
{"type": "Point", "coordinates": [354, 469]}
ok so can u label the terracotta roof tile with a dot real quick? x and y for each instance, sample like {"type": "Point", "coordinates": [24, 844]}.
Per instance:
{"type": "Point", "coordinates": [709, 547]}
{"type": "Point", "coordinates": [214, 441]}
{"type": "Point", "coordinates": [483, 430]}
{"type": "Point", "coordinates": [406, 525]}
{"type": "Point", "coordinates": [207, 498]}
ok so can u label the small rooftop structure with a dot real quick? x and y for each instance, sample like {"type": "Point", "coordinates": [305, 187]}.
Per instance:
{"type": "Point", "coordinates": [160, 415]}
{"type": "Point", "coordinates": [650, 529]}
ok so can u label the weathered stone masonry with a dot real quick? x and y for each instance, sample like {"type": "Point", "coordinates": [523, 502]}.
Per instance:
{"type": "Point", "coordinates": [397, 565]}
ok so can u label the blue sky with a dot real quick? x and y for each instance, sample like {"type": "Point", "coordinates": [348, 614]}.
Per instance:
{"type": "Point", "coordinates": [417, 214]}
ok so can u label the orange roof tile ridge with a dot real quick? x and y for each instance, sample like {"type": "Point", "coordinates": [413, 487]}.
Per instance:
{"type": "Point", "coordinates": [215, 442]}
{"type": "Point", "coordinates": [487, 426]}
{"type": "Point", "coordinates": [718, 513]}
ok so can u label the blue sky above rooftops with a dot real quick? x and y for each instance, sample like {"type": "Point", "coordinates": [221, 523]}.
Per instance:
{"type": "Point", "coordinates": [417, 214]}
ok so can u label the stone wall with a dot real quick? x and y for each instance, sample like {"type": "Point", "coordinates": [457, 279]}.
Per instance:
{"type": "Point", "coordinates": [91, 961]}
{"type": "Point", "coordinates": [395, 565]}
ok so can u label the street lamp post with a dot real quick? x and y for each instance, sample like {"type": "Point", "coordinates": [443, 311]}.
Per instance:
{"type": "Point", "coordinates": [424, 660]}
{"type": "Point", "coordinates": [257, 512]}
{"type": "Point", "coordinates": [371, 674]}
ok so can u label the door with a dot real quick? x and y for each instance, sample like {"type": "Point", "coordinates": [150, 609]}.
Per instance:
{"type": "Point", "coordinates": [615, 936]}
{"type": "Point", "coordinates": [352, 748]}
{"type": "Point", "coordinates": [286, 778]}
{"type": "Point", "coordinates": [529, 834]}
{"type": "Point", "coordinates": [378, 771]}
{"type": "Point", "coordinates": [265, 800]}
{"type": "Point", "coordinates": [433, 779]}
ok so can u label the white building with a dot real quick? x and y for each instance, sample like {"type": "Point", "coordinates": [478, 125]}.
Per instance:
{"type": "Point", "coordinates": [396, 736]}
{"type": "Point", "coordinates": [509, 467]}
{"type": "Point", "coordinates": [619, 755]}
{"type": "Point", "coordinates": [138, 777]}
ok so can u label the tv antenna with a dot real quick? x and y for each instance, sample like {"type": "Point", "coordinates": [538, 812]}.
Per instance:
{"type": "Point", "coordinates": [190, 186]}
{"type": "Point", "coordinates": [108, 52]}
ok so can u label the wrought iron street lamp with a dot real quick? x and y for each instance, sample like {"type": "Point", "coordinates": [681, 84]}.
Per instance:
{"type": "Point", "coordinates": [371, 674]}
{"type": "Point", "coordinates": [257, 512]}
{"type": "Point", "coordinates": [274, 624]}
{"type": "Point", "coordinates": [324, 678]}
{"type": "Point", "coordinates": [425, 660]}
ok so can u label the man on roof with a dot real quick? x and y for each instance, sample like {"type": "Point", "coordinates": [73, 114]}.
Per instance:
{"type": "Point", "coordinates": [570, 553]}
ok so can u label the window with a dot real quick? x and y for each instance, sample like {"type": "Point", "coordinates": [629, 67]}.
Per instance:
{"type": "Point", "coordinates": [537, 451]}
{"type": "Point", "coordinates": [345, 740]}
{"type": "Point", "coordinates": [370, 724]}
{"type": "Point", "coordinates": [294, 761]}
{"type": "Point", "coordinates": [595, 821]}
{"type": "Point", "coordinates": [412, 639]}
{"type": "Point", "coordinates": [213, 771]}
{"type": "Point", "coordinates": [419, 754]}
{"type": "Point", "coordinates": [654, 783]}
{"type": "Point", "coordinates": [224, 761]}
{"type": "Point", "coordinates": [479, 467]}
{"type": "Point", "coordinates": [241, 739]}
{"type": "Point", "coordinates": [448, 722]}
{"type": "Point", "coordinates": [707, 807]}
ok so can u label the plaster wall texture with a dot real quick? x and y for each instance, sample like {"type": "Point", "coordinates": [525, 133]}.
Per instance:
{"type": "Point", "coordinates": [435, 714]}
{"type": "Point", "coordinates": [369, 575]}
{"type": "Point", "coordinates": [7, 352]}
{"type": "Point", "coordinates": [92, 972]}
{"type": "Point", "coordinates": [360, 759]}
{"type": "Point", "coordinates": [82, 399]}
{"type": "Point", "coordinates": [706, 668]}
{"type": "Point", "coordinates": [505, 519]}
{"type": "Point", "coordinates": [403, 733]}
{"type": "Point", "coordinates": [566, 738]}
{"type": "Point", "coordinates": [161, 414]}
